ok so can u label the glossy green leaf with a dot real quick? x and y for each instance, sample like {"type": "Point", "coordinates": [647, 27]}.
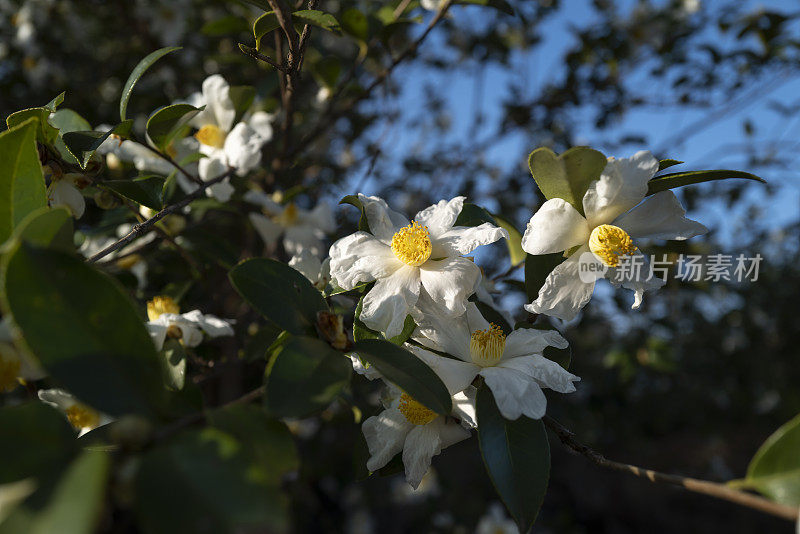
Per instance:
{"type": "Point", "coordinates": [83, 145]}
{"type": "Point", "coordinates": [500, 5]}
{"type": "Point", "coordinates": [279, 293]}
{"type": "Point", "coordinates": [83, 329]}
{"type": "Point", "coordinates": [163, 124]}
{"type": "Point", "coordinates": [516, 455]}
{"type": "Point", "coordinates": [137, 73]}
{"type": "Point", "coordinates": [679, 179]}
{"type": "Point", "coordinates": [473, 215]}
{"type": "Point", "coordinates": [775, 469]}
{"type": "Point", "coordinates": [566, 176]}
{"type": "Point", "coordinates": [407, 372]}
{"type": "Point", "coordinates": [22, 188]}
{"type": "Point", "coordinates": [514, 241]}
{"type": "Point", "coordinates": [353, 200]}
{"type": "Point", "coordinates": [317, 18]}
{"type": "Point", "coordinates": [67, 120]}
{"type": "Point", "coordinates": [52, 106]}
{"type": "Point", "coordinates": [46, 133]}
{"type": "Point", "coordinates": [305, 376]}
{"type": "Point", "coordinates": [666, 163]}
{"type": "Point", "coordinates": [264, 25]}
{"type": "Point", "coordinates": [145, 190]}
{"type": "Point", "coordinates": [47, 228]}
{"type": "Point", "coordinates": [537, 268]}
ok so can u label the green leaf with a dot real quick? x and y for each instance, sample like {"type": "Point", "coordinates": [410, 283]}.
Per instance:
{"type": "Point", "coordinates": [264, 25]}
{"type": "Point", "coordinates": [500, 5]}
{"type": "Point", "coordinates": [279, 293]}
{"type": "Point", "coordinates": [353, 200]}
{"type": "Point", "coordinates": [326, 71]}
{"type": "Point", "coordinates": [78, 499]}
{"type": "Point", "coordinates": [83, 145]}
{"type": "Point", "coordinates": [83, 329]}
{"type": "Point", "coordinates": [57, 101]}
{"type": "Point", "coordinates": [38, 438]}
{"type": "Point", "coordinates": [67, 120]}
{"type": "Point", "coordinates": [516, 455]}
{"type": "Point", "coordinates": [356, 23]}
{"type": "Point", "coordinates": [242, 97]}
{"type": "Point", "coordinates": [514, 241]}
{"type": "Point", "coordinates": [146, 190]}
{"type": "Point", "coordinates": [775, 469]}
{"type": "Point", "coordinates": [227, 25]}
{"type": "Point", "coordinates": [666, 163]}
{"type": "Point", "coordinates": [317, 18]}
{"type": "Point", "coordinates": [566, 176]}
{"type": "Point", "coordinates": [305, 376]}
{"type": "Point", "coordinates": [163, 124]}
{"type": "Point", "coordinates": [537, 268]}
{"type": "Point", "coordinates": [47, 228]}
{"type": "Point", "coordinates": [679, 179]}
{"type": "Point", "coordinates": [473, 215]}
{"type": "Point", "coordinates": [203, 481]}
{"type": "Point", "coordinates": [137, 73]}
{"type": "Point", "coordinates": [45, 132]}
{"type": "Point", "coordinates": [407, 372]}
{"type": "Point", "coordinates": [173, 364]}
{"type": "Point", "coordinates": [22, 188]}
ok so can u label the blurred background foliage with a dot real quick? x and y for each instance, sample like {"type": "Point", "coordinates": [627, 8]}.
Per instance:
{"type": "Point", "coordinates": [692, 384]}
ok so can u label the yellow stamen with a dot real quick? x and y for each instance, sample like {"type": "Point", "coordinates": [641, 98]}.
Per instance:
{"type": "Point", "coordinates": [412, 244]}
{"type": "Point", "coordinates": [9, 368]}
{"type": "Point", "coordinates": [486, 346]}
{"type": "Point", "coordinates": [414, 412]}
{"type": "Point", "coordinates": [81, 416]}
{"type": "Point", "coordinates": [211, 135]}
{"type": "Point", "coordinates": [609, 243]}
{"type": "Point", "coordinates": [289, 215]}
{"type": "Point", "coordinates": [159, 306]}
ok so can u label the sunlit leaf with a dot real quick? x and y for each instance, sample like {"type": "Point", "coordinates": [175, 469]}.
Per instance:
{"type": "Point", "coordinates": [137, 73]}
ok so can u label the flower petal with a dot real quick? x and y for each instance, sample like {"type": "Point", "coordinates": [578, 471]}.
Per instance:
{"type": "Point", "coordinates": [439, 331]}
{"type": "Point", "coordinates": [464, 407]}
{"type": "Point", "coordinates": [441, 216]}
{"type": "Point", "coordinates": [385, 435]}
{"type": "Point", "coordinates": [525, 341]}
{"type": "Point", "coordinates": [621, 186]}
{"type": "Point", "coordinates": [515, 393]}
{"type": "Point", "coordinates": [243, 149]}
{"type": "Point", "coordinates": [360, 257]}
{"type": "Point", "coordinates": [307, 264]}
{"type": "Point", "coordinates": [321, 217]}
{"type": "Point", "coordinates": [450, 282]}
{"type": "Point", "coordinates": [386, 305]}
{"type": "Point", "coordinates": [546, 372]}
{"type": "Point", "coordinates": [383, 221]}
{"type": "Point", "coordinates": [158, 333]}
{"type": "Point", "coordinates": [563, 293]}
{"type": "Point", "coordinates": [266, 228]}
{"type": "Point", "coordinates": [219, 106]}
{"type": "Point", "coordinates": [210, 324]}
{"type": "Point", "coordinates": [660, 217]}
{"type": "Point", "coordinates": [261, 122]}
{"type": "Point", "coordinates": [635, 279]}
{"type": "Point", "coordinates": [462, 240]}
{"type": "Point", "coordinates": [456, 375]}
{"type": "Point", "coordinates": [302, 238]}
{"type": "Point", "coordinates": [475, 319]}
{"type": "Point", "coordinates": [556, 226]}
{"type": "Point", "coordinates": [63, 193]}
{"type": "Point", "coordinates": [422, 444]}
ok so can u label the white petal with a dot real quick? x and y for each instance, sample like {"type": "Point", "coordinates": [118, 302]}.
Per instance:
{"type": "Point", "coordinates": [456, 375]}
{"type": "Point", "coordinates": [546, 372]}
{"type": "Point", "coordinates": [622, 185]}
{"type": "Point", "coordinates": [158, 333]}
{"type": "Point", "coordinates": [210, 324]}
{"type": "Point", "coordinates": [386, 305]}
{"type": "Point", "coordinates": [63, 193]}
{"type": "Point", "coordinates": [219, 106]}
{"type": "Point", "coordinates": [385, 435]}
{"type": "Point", "coordinates": [524, 341]}
{"type": "Point", "coordinates": [57, 398]}
{"type": "Point", "coordinates": [422, 444]}
{"type": "Point", "coordinates": [383, 221]}
{"type": "Point", "coordinates": [369, 372]}
{"type": "Point", "coordinates": [463, 240]}
{"type": "Point", "coordinates": [243, 149]}
{"type": "Point", "coordinates": [302, 238]}
{"type": "Point", "coordinates": [450, 282]}
{"type": "Point", "coordinates": [563, 293]}
{"type": "Point", "coordinates": [222, 191]}
{"type": "Point", "coordinates": [439, 331]}
{"type": "Point", "coordinates": [660, 217]}
{"type": "Point", "coordinates": [261, 122]}
{"type": "Point", "coordinates": [464, 407]}
{"type": "Point", "coordinates": [515, 393]}
{"type": "Point", "coordinates": [556, 226]}
{"type": "Point", "coordinates": [629, 278]}
{"type": "Point", "coordinates": [442, 216]}
{"type": "Point", "coordinates": [322, 217]}
{"type": "Point", "coordinates": [264, 200]}
{"type": "Point", "coordinates": [475, 319]}
{"type": "Point", "coordinates": [268, 230]}
{"type": "Point", "coordinates": [308, 264]}
{"type": "Point", "coordinates": [360, 257]}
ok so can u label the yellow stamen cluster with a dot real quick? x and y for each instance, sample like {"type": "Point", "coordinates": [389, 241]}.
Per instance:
{"type": "Point", "coordinates": [289, 215]}
{"type": "Point", "coordinates": [211, 135]}
{"type": "Point", "coordinates": [486, 346]}
{"type": "Point", "coordinates": [414, 412]}
{"type": "Point", "coordinates": [412, 244]}
{"type": "Point", "coordinates": [81, 416]}
{"type": "Point", "coordinates": [159, 306]}
{"type": "Point", "coordinates": [9, 368]}
{"type": "Point", "coordinates": [609, 243]}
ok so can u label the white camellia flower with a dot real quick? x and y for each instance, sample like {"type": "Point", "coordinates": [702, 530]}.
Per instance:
{"type": "Point", "coordinates": [513, 367]}
{"type": "Point", "coordinates": [302, 230]}
{"type": "Point", "coordinates": [420, 433]}
{"type": "Point", "coordinates": [615, 213]}
{"type": "Point", "coordinates": [495, 522]}
{"type": "Point", "coordinates": [82, 417]}
{"type": "Point", "coordinates": [224, 144]}
{"type": "Point", "coordinates": [403, 257]}
{"type": "Point", "coordinates": [65, 190]}
{"type": "Point", "coordinates": [308, 264]}
{"type": "Point", "coordinates": [166, 321]}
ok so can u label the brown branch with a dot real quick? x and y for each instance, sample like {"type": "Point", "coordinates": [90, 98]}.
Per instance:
{"type": "Point", "coordinates": [178, 167]}
{"type": "Point", "coordinates": [142, 228]}
{"type": "Point", "coordinates": [284, 17]}
{"type": "Point", "coordinates": [255, 54]}
{"type": "Point", "coordinates": [705, 487]}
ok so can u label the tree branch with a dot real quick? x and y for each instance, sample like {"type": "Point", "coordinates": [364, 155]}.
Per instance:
{"type": "Point", "coordinates": [255, 54]}
{"type": "Point", "coordinates": [705, 487]}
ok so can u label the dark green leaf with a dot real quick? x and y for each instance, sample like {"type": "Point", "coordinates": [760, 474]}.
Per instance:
{"type": "Point", "coordinates": [83, 145]}
{"type": "Point", "coordinates": [22, 188]}
{"type": "Point", "coordinates": [146, 190]}
{"type": "Point", "coordinates": [514, 241]}
{"type": "Point", "coordinates": [46, 133]}
{"type": "Point", "coordinates": [163, 124]}
{"type": "Point", "coordinates": [305, 376]}
{"type": "Point", "coordinates": [323, 20]}
{"type": "Point", "coordinates": [516, 455]}
{"type": "Point", "coordinates": [83, 329]}
{"type": "Point", "coordinates": [227, 25]}
{"type": "Point", "coordinates": [666, 163]}
{"type": "Point", "coordinates": [775, 469]}
{"type": "Point", "coordinates": [353, 200]}
{"type": "Point", "coordinates": [407, 372]}
{"type": "Point", "coordinates": [279, 293]}
{"type": "Point", "coordinates": [263, 25]}
{"type": "Point", "coordinates": [47, 228]}
{"type": "Point", "coordinates": [355, 23]}
{"type": "Point", "coordinates": [473, 215]}
{"type": "Point", "coordinates": [137, 73]}
{"type": "Point", "coordinates": [679, 179]}
{"type": "Point", "coordinates": [566, 176]}
{"type": "Point", "coordinates": [67, 120]}
{"type": "Point", "coordinates": [537, 268]}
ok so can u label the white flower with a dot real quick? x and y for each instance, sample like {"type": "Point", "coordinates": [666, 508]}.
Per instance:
{"type": "Point", "coordinates": [302, 230]}
{"type": "Point", "coordinates": [495, 522]}
{"type": "Point", "coordinates": [165, 321]}
{"type": "Point", "coordinates": [308, 264]}
{"type": "Point", "coordinates": [367, 371]}
{"type": "Point", "coordinates": [146, 160]}
{"type": "Point", "coordinates": [15, 365]}
{"type": "Point", "coordinates": [408, 426]}
{"type": "Point", "coordinates": [615, 213]}
{"type": "Point", "coordinates": [224, 144]}
{"type": "Point", "coordinates": [403, 257]}
{"type": "Point", "coordinates": [82, 417]}
{"type": "Point", "coordinates": [513, 367]}
{"type": "Point", "coordinates": [65, 191]}
{"type": "Point", "coordinates": [431, 5]}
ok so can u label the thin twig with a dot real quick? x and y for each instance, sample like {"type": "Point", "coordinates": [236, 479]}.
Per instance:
{"type": "Point", "coordinates": [171, 161]}
{"type": "Point", "coordinates": [712, 489]}
{"type": "Point", "coordinates": [142, 228]}
{"type": "Point", "coordinates": [255, 54]}
{"type": "Point", "coordinates": [284, 17]}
